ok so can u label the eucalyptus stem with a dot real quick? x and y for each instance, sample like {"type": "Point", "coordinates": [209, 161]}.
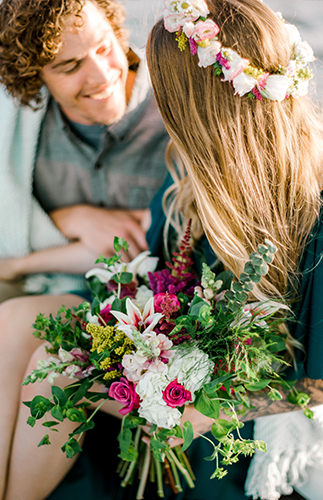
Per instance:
{"type": "Point", "coordinates": [174, 471]}
{"type": "Point", "coordinates": [159, 476]}
{"type": "Point", "coordinates": [181, 468]}
{"type": "Point", "coordinates": [144, 474]}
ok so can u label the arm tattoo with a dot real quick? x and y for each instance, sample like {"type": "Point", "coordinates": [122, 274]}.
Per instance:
{"type": "Point", "coordinates": [263, 406]}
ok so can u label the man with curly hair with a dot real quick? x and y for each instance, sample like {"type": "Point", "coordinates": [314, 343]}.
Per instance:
{"type": "Point", "coordinates": [81, 155]}
{"type": "Point", "coordinates": [82, 144]}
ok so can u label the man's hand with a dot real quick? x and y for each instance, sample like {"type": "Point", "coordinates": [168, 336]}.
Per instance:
{"type": "Point", "coordinates": [10, 269]}
{"type": "Point", "coordinates": [96, 227]}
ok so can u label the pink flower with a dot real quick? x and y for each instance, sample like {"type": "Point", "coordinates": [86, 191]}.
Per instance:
{"type": "Point", "coordinates": [124, 392]}
{"type": "Point", "coordinates": [175, 394]}
{"type": "Point", "coordinates": [203, 30]}
{"type": "Point", "coordinates": [105, 314]}
{"type": "Point", "coordinates": [163, 299]}
{"type": "Point", "coordinates": [80, 355]}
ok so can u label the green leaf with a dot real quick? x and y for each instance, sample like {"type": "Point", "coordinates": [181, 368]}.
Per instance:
{"type": "Point", "coordinates": [50, 423]}
{"type": "Point", "coordinates": [75, 415]}
{"type": "Point", "coordinates": [57, 413]}
{"type": "Point", "coordinates": [261, 445]}
{"type": "Point", "coordinates": [308, 413]}
{"type": "Point", "coordinates": [82, 390]}
{"type": "Point", "coordinates": [196, 305]}
{"type": "Point", "coordinates": [123, 278]}
{"type": "Point", "coordinates": [220, 428]}
{"type": "Point", "coordinates": [94, 397]}
{"type": "Point", "coordinates": [87, 426]}
{"type": "Point", "coordinates": [188, 434]}
{"type": "Point", "coordinates": [130, 456]}
{"type": "Point", "coordinates": [278, 343]}
{"type": "Point", "coordinates": [242, 296]}
{"type": "Point", "coordinates": [206, 406]}
{"type": "Point", "coordinates": [124, 438]}
{"type": "Point", "coordinates": [59, 396]}
{"type": "Point", "coordinates": [257, 386]}
{"type": "Point", "coordinates": [71, 448]}
{"type": "Point", "coordinates": [31, 421]}
{"type": "Point", "coordinates": [39, 406]}
{"type": "Point", "coordinates": [212, 387]}
{"type": "Point", "coordinates": [44, 441]}
{"type": "Point", "coordinates": [275, 395]}
{"type": "Point", "coordinates": [119, 243]}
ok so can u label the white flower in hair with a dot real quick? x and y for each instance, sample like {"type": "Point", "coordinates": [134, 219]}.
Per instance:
{"type": "Point", "coordinates": [304, 52]}
{"type": "Point", "coordinates": [294, 34]}
{"type": "Point", "coordinates": [243, 84]}
{"type": "Point", "coordinates": [300, 89]}
{"type": "Point", "coordinates": [207, 55]}
{"type": "Point", "coordinates": [237, 64]}
{"type": "Point", "coordinates": [277, 87]}
{"type": "Point", "coordinates": [173, 22]}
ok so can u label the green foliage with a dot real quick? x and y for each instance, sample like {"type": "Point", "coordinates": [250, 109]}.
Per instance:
{"type": "Point", "coordinates": [188, 435]}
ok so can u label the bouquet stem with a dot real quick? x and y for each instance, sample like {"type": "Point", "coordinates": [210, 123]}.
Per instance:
{"type": "Point", "coordinates": [159, 476]}
{"type": "Point", "coordinates": [144, 474]}
{"type": "Point", "coordinates": [171, 456]}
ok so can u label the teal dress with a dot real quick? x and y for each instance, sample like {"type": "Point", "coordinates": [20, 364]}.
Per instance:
{"type": "Point", "coordinates": [93, 477]}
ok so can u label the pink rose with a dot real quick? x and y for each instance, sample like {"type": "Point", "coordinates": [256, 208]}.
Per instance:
{"type": "Point", "coordinates": [124, 392]}
{"type": "Point", "coordinates": [161, 299]}
{"type": "Point", "coordinates": [175, 394]}
{"type": "Point", "coordinates": [204, 30]}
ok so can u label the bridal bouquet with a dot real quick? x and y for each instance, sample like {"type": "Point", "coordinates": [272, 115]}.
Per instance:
{"type": "Point", "coordinates": [156, 341]}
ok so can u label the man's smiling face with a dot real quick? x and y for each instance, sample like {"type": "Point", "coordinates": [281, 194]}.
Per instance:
{"type": "Point", "coordinates": [88, 77]}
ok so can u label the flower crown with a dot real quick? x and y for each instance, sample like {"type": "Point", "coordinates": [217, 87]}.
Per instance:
{"type": "Point", "coordinates": [188, 19]}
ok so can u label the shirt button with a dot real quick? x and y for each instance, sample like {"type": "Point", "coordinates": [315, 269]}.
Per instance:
{"type": "Point", "coordinates": [98, 165]}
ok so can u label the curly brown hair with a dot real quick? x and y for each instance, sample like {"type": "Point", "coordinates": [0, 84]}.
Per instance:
{"type": "Point", "coordinates": [31, 36]}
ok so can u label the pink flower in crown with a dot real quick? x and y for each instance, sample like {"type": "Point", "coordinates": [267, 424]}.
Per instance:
{"type": "Point", "coordinates": [175, 394]}
{"type": "Point", "coordinates": [173, 22]}
{"type": "Point", "coordinates": [237, 64]}
{"type": "Point", "coordinates": [125, 393]}
{"type": "Point", "coordinates": [208, 55]}
{"type": "Point", "coordinates": [202, 30]}
{"type": "Point", "coordinates": [143, 322]}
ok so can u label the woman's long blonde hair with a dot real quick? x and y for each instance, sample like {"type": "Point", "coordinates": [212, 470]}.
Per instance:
{"type": "Point", "coordinates": [254, 167]}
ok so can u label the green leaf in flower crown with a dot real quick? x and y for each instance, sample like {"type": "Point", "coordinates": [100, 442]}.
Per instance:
{"type": "Point", "coordinates": [59, 396]}
{"type": "Point", "coordinates": [119, 243]}
{"type": "Point", "coordinates": [44, 441]}
{"type": "Point", "coordinates": [123, 278]}
{"type": "Point", "coordinates": [188, 435]}
{"type": "Point", "coordinates": [221, 428]}
{"type": "Point", "coordinates": [207, 406]}
{"type": "Point", "coordinates": [309, 413]}
{"type": "Point", "coordinates": [257, 386]}
{"type": "Point", "coordinates": [57, 413]}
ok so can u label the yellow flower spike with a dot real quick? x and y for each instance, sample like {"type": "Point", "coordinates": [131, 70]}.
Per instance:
{"type": "Point", "coordinates": [254, 72]}
{"type": "Point", "coordinates": [181, 41]}
{"type": "Point", "coordinates": [305, 74]}
{"type": "Point", "coordinates": [204, 43]}
{"type": "Point", "coordinates": [113, 374]}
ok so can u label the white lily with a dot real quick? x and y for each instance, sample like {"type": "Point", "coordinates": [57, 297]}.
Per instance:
{"type": "Point", "coordinates": [143, 322]}
{"type": "Point", "coordinates": [261, 310]}
{"type": "Point", "coordinates": [141, 265]}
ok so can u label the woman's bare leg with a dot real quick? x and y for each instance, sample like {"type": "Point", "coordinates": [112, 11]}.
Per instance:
{"type": "Point", "coordinates": [17, 345]}
{"type": "Point", "coordinates": [35, 472]}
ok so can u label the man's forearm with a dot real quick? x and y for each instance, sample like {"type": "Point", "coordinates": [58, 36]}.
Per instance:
{"type": "Point", "coordinates": [264, 406]}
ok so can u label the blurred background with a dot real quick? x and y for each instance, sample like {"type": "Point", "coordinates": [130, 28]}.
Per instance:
{"type": "Point", "coordinates": [307, 15]}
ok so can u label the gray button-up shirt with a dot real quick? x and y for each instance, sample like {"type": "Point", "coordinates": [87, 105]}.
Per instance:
{"type": "Point", "coordinates": [125, 172]}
